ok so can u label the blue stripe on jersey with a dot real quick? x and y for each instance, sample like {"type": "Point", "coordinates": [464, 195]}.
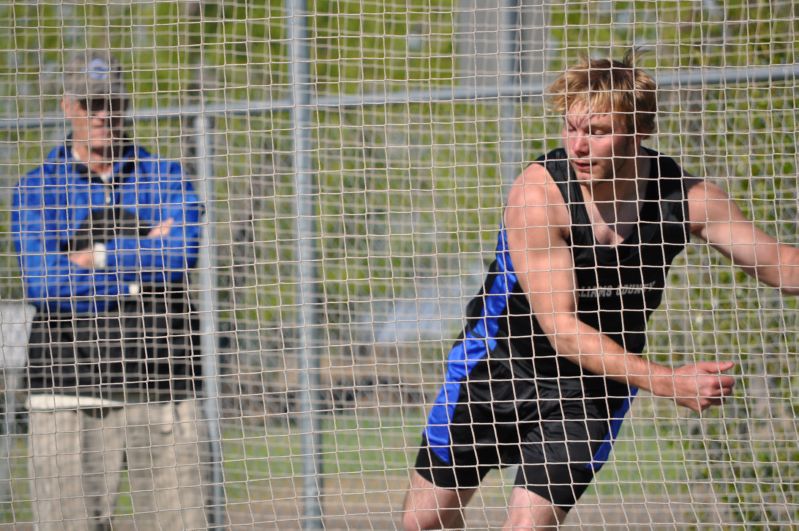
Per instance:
{"type": "Point", "coordinates": [477, 342]}
{"type": "Point", "coordinates": [616, 419]}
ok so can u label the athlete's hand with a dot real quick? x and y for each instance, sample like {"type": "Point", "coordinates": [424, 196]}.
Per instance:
{"type": "Point", "coordinates": [697, 386]}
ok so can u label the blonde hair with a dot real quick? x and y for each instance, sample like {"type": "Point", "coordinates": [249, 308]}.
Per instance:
{"type": "Point", "coordinates": [605, 85]}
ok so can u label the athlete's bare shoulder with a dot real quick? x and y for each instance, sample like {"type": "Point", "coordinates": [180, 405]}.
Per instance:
{"type": "Point", "coordinates": [535, 198]}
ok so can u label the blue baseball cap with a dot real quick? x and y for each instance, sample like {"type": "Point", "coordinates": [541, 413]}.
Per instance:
{"type": "Point", "coordinates": [94, 73]}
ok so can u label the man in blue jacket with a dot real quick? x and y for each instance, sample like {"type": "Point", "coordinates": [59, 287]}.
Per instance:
{"type": "Point", "coordinates": [107, 235]}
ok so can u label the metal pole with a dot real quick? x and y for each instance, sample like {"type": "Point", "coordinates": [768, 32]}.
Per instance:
{"type": "Point", "coordinates": [682, 79]}
{"type": "Point", "coordinates": [208, 304]}
{"type": "Point", "coordinates": [509, 76]}
{"type": "Point", "coordinates": [308, 294]}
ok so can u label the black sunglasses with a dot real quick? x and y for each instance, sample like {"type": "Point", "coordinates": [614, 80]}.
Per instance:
{"type": "Point", "coordinates": [113, 106]}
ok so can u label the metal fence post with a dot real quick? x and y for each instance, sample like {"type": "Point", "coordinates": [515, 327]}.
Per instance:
{"type": "Point", "coordinates": [308, 293]}
{"type": "Point", "coordinates": [510, 76]}
{"type": "Point", "coordinates": [207, 305]}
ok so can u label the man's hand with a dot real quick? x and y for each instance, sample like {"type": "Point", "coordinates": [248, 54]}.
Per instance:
{"type": "Point", "coordinates": [83, 258]}
{"type": "Point", "coordinates": [162, 229]}
{"type": "Point", "coordinates": [697, 386]}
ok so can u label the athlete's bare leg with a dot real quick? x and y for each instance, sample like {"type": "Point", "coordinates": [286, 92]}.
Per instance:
{"type": "Point", "coordinates": [429, 507]}
{"type": "Point", "coordinates": [527, 510]}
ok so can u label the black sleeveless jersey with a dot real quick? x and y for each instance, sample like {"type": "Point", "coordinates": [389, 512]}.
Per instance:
{"type": "Point", "coordinates": [617, 287]}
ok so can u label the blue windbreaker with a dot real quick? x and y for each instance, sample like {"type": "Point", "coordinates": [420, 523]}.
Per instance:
{"type": "Point", "coordinates": [51, 202]}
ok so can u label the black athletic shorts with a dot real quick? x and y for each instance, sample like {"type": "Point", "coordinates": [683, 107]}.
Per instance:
{"type": "Point", "coordinates": [559, 437]}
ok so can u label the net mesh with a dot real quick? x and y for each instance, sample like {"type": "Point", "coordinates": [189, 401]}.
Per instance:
{"type": "Point", "coordinates": [353, 160]}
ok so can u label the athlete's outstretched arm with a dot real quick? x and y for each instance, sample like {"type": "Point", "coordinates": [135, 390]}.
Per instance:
{"type": "Point", "coordinates": [718, 220]}
{"type": "Point", "coordinates": [537, 223]}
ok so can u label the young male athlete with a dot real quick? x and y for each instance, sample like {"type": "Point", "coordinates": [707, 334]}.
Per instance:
{"type": "Point", "coordinates": [549, 360]}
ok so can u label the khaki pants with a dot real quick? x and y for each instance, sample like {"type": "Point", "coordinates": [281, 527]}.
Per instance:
{"type": "Point", "coordinates": [77, 457]}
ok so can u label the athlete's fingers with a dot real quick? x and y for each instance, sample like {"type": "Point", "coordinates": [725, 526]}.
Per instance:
{"type": "Point", "coordinates": [713, 386]}
{"type": "Point", "coordinates": [709, 401]}
{"type": "Point", "coordinates": [702, 379]}
{"type": "Point", "coordinates": [717, 382]}
{"type": "Point", "coordinates": [721, 383]}
{"type": "Point", "coordinates": [721, 390]}
{"type": "Point", "coordinates": [714, 366]}
{"type": "Point", "coordinates": [702, 385]}
{"type": "Point", "coordinates": [694, 404]}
